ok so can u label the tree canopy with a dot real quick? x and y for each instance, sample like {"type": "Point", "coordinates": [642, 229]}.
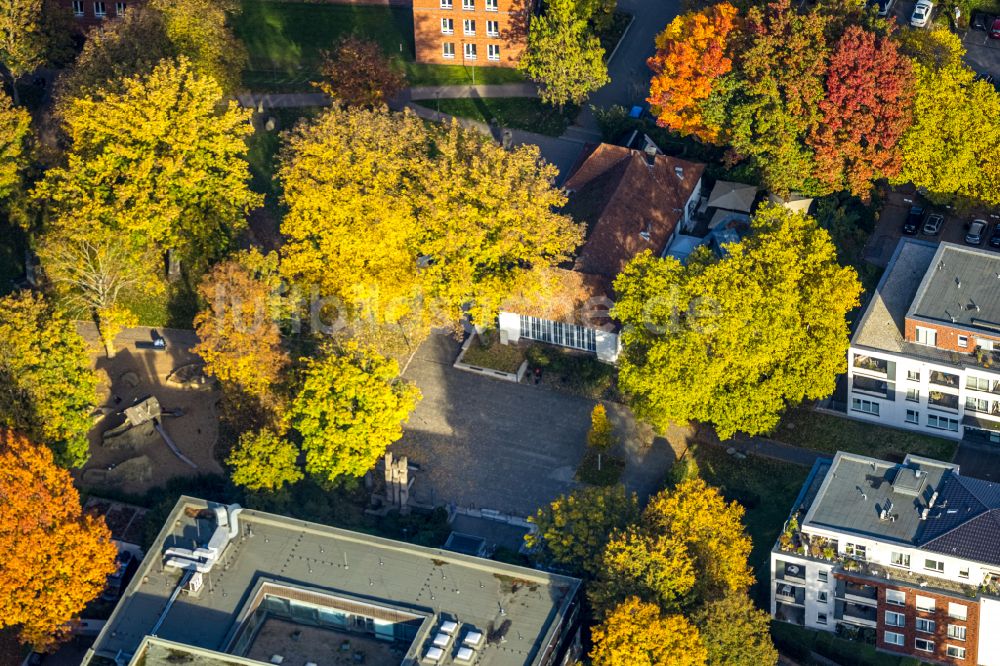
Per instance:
{"type": "Point", "coordinates": [350, 407]}
{"type": "Point", "coordinates": [733, 341]}
{"type": "Point", "coordinates": [15, 132]}
{"type": "Point", "coordinates": [563, 56]}
{"type": "Point", "coordinates": [357, 73]}
{"type": "Point", "coordinates": [400, 222]}
{"type": "Point", "coordinates": [736, 632]}
{"type": "Point", "coordinates": [636, 633]}
{"type": "Point", "coordinates": [58, 558]}
{"type": "Point", "coordinates": [574, 529]}
{"type": "Point", "coordinates": [157, 166]}
{"type": "Point", "coordinates": [47, 389]}
{"type": "Point", "coordinates": [264, 460]}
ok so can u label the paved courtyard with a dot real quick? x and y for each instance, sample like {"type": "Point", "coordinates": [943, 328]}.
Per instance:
{"type": "Point", "coordinates": [485, 443]}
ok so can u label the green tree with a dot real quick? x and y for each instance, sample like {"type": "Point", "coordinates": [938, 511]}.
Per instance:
{"type": "Point", "coordinates": [15, 132]}
{"type": "Point", "coordinates": [563, 55]}
{"type": "Point", "coordinates": [350, 407]}
{"type": "Point", "coordinates": [735, 632]}
{"type": "Point", "coordinates": [199, 31]}
{"type": "Point", "coordinates": [601, 434]}
{"type": "Point", "coordinates": [733, 341]}
{"type": "Point", "coordinates": [573, 530]}
{"type": "Point", "coordinates": [22, 39]}
{"type": "Point", "coordinates": [159, 165]}
{"type": "Point", "coordinates": [406, 224]}
{"type": "Point", "coordinates": [47, 388]}
{"type": "Point", "coordinates": [264, 460]}
{"type": "Point", "coordinates": [638, 634]}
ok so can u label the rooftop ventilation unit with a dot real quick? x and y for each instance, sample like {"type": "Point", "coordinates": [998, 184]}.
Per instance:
{"type": "Point", "coordinates": [908, 481]}
{"type": "Point", "coordinates": [201, 560]}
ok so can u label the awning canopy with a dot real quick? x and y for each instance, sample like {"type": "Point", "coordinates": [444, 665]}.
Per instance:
{"type": "Point", "coordinates": [732, 196]}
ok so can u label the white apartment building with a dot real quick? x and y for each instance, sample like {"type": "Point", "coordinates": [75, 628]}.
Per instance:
{"type": "Point", "coordinates": [907, 554]}
{"type": "Point", "coordinates": [926, 353]}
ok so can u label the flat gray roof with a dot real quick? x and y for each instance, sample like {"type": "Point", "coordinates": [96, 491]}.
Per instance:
{"type": "Point", "coordinates": [961, 287]}
{"type": "Point", "coordinates": [436, 583]}
{"type": "Point", "coordinates": [883, 323]}
{"type": "Point", "coordinates": [858, 488]}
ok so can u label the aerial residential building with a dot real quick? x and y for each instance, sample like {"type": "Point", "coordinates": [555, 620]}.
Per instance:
{"type": "Point", "coordinates": [631, 201]}
{"type": "Point", "coordinates": [475, 33]}
{"type": "Point", "coordinates": [926, 353]}
{"type": "Point", "coordinates": [903, 555]}
{"type": "Point", "coordinates": [223, 585]}
{"type": "Point", "coordinates": [88, 13]}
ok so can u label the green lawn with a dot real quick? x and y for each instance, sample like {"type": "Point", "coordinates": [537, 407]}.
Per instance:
{"type": "Point", "coordinates": [797, 641]}
{"type": "Point", "coordinates": [526, 113]}
{"type": "Point", "coordinates": [825, 432]}
{"type": "Point", "coordinates": [286, 40]}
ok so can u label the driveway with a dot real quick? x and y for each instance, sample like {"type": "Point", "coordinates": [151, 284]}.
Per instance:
{"type": "Point", "coordinates": [982, 53]}
{"type": "Point", "coordinates": [485, 443]}
{"type": "Point", "coordinates": [628, 70]}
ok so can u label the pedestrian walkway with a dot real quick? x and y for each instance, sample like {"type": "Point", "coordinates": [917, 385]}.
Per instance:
{"type": "Point", "coordinates": [769, 448]}
{"type": "Point", "coordinates": [460, 92]}
{"type": "Point", "coordinates": [263, 101]}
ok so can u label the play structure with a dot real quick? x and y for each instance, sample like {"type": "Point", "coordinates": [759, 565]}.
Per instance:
{"type": "Point", "coordinates": [137, 420]}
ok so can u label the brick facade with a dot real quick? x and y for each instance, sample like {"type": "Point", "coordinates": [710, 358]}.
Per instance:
{"type": "Point", "coordinates": [510, 18]}
{"type": "Point", "coordinates": [88, 13]}
{"type": "Point", "coordinates": [947, 336]}
{"type": "Point", "coordinates": [941, 621]}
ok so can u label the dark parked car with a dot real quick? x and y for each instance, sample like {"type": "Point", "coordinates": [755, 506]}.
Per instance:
{"type": "Point", "coordinates": [995, 237]}
{"type": "Point", "coordinates": [913, 220]}
{"type": "Point", "coordinates": [995, 29]}
{"type": "Point", "coordinates": [977, 229]}
{"type": "Point", "coordinates": [933, 224]}
{"type": "Point", "coordinates": [980, 21]}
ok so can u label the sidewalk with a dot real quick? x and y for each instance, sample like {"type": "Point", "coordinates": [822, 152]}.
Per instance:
{"type": "Point", "coordinates": [457, 92]}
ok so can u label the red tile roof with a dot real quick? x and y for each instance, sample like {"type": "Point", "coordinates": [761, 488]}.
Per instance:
{"type": "Point", "coordinates": [620, 196]}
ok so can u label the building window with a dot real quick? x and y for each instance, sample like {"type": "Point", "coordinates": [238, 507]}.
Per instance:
{"type": "Point", "coordinates": [913, 395]}
{"type": "Point", "coordinates": [895, 597]}
{"type": "Point", "coordinates": [925, 626]}
{"type": "Point", "coordinates": [100, 10]}
{"type": "Point", "coordinates": [977, 404]}
{"type": "Point", "coordinates": [913, 375]}
{"type": "Point", "coordinates": [856, 551]}
{"type": "Point", "coordinates": [925, 604]}
{"type": "Point", "coordinates": [821, 618]}
{"type": "Point", "coordinates": [469, 26]}
{"type": "Point", "coordinates": [900, 559]}
{"type": "Point", "coordinates": [493, 28]}
{"type": "Point", "coordinates": [912, 416]}
{"type": "Point", "coordinates": [934, 565]}
{"type": "Point", "coordinates": [866, 406]}
{"type": "Point", "coordinates": [78, 8]}
{"type": "Point", "coordinates": [446, 4]}
{"type": "Point", "coordinates": [469, 5]}
{"type": "Point", "coordinates": [119, 9]}
{"type": "Point", "coordinates": [491, 6]}
{"type": "Point", "coordinates": [956, 632]}
{"type": "Point", "coordinates": [893, 619]}
{"type": "Point", "coordinates": [553, 332]}
{"type": "Point", "coordinates": [956, 652]}
{"type": "Point", "coordinates": [448, 50]}
{"type": "Point", "coordinates": [963, 341]}
{"type": "Point", "coordinates": [822, 576]}
{"type": "Point", "coordinates": [469, 51]}
{"type": "Point", "coordinates": [977, 383]}
{"type": "Point", "coordinates": [447, 26]}
{"type": "Point", "coordinates": [942, 423]}
{"type": "Point", "coordinates": [493, 51]}
{"type": "Point", "coordinates": [926, 336]}
{"type": "Point", "coordinates": [984, 344]}
{"type": "Point", "coordinates": [823, 597]}
{"type": "Point", "coordinates": [957, 611]}
{"type": "Point", "coordinates": [923, 645]}
{"type": "Point", "coordinates": [892, 638]}
{"type": "Point", "coordinates": [963, 573]}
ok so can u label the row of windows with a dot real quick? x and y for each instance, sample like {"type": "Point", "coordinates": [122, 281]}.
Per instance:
{"type": "Point", "coordinates": [469, 27]}
{"type": "Point", "coordinates": [923, 604]}
{"type": "Point", "coordinates": [100, 8]}
{"type": "Point", "coordinates": [922, 644]}
{"type": "Point", "coordinates": [469, 51]}
{"type": "Point", "coordinates": [557, 333]}
{"type": "Point", "coordinates": [470, 5]}
{"type": "Point", "coordinates": [912, 416]}
{"type": "Point", "coordinates": [928, 336]}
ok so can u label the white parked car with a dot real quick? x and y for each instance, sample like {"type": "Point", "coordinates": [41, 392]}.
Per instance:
{"type": "Point", "coordinates": [921, 13]}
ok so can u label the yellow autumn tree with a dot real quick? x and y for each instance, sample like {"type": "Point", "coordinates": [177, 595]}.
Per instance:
{"type": "Point", "coordinates": [601, 434]}
{"type": "Point", "coordinates": [636, 633]}
{"type": "Point", "coordinates": [15, 128]}
{"type": "Point", "coordinates": [264, 460]}
{"type": "Point", "coordinates": [57, 559]}
{"type": "Point", "coordinates": [157, 163]}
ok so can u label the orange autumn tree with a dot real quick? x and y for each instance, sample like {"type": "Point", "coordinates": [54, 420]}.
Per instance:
{"type": "Point", "coordinates": [691, 54]}
{"type": "Point", "coordinates": [55, 558]}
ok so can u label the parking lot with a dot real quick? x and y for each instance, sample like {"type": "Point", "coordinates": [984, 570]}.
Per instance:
{"type": "Point", "coordinates": [889, 229]}
{"type": "Point", "coordinates": [982, 53]}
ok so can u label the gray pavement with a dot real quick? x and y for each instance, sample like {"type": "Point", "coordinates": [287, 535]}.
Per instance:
{"type": "Point", "coordinates": [485, 443]}
{"type": "Point", "coordinates": [457, 92]}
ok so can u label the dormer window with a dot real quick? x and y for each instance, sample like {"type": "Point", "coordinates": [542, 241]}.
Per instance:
{"type": "Point", "coordinates": [926, 336]}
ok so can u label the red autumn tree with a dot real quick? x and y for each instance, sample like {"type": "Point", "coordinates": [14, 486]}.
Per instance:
{"type": "Point", "coordinates": [691, 54]}
{"type": "Point", "coordinates": [357, 73]}
{"type": "Point", "coordinates": [56, 558]}
{"type": "Point", "coordinates": [868, 107]}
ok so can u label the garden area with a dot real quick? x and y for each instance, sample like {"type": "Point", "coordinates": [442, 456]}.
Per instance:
{"type": "Point", "coordinates": [828, 433]}
{"type": "Point", "coordinates": [285, 41]}
{"type": "Point", "coordinates": [524, 113]}
{"type": "Point", "coordinates": [486, 351]}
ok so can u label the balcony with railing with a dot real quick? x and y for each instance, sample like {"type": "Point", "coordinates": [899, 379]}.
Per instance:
{"type": "Point", "coordinates": [876, 387]}
{"type": "Point", "coordinates": [871, 364]}
{"type": "Point", "coordinates": [940, 400]}
{"type": "Point", "coordinates": [944, 379]}
{"type": "Point", "coordinates": [790, 614]}
{"type": "Point", "coordinates": [853, 591]}
{"type": "Point", "coordinates": [859, 614]}
{"type": "Point", "coordinates": [791, 571]}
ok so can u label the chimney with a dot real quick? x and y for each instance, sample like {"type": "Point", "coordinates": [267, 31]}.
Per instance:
{"type": "Point", "coordinates": [650, 152]}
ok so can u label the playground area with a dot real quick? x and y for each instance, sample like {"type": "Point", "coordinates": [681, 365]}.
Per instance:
{"type": "Point", "coordinates": [156, 418]}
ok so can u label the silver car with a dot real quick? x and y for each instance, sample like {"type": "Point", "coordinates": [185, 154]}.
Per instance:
{"type": "Point", "coordinates": [933, 224]}
{"type": "Point", "coordinates": [977, 229]}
